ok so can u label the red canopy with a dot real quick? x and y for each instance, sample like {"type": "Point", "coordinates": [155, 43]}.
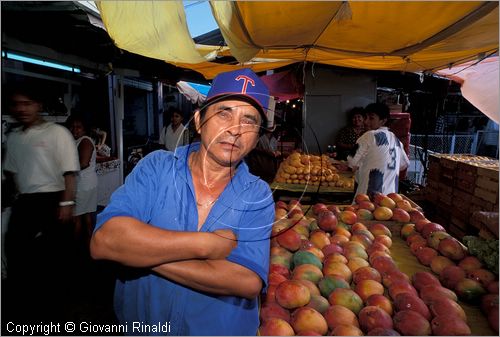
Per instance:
{"type": "Point", "coordinates": [284, 85]}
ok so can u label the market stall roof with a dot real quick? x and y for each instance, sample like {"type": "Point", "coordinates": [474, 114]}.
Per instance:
{"type": "Point", "coordinates": [404, 36]}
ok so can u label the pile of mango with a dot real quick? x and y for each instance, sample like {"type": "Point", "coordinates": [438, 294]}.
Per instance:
{"type": "Point", "coordinates": [313, 170]}
{"type": "Point", "coordinates": [330, 274]}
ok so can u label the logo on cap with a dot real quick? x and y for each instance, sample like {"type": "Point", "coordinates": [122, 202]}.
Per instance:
{"type": "Point", "coordinates": [246, 80]}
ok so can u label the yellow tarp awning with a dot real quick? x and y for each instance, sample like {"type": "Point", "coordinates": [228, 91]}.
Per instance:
{"type": "Point", "coordinates": [405, 36]}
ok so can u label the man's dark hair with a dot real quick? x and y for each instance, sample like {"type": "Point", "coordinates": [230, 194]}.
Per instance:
{"type": "Point", "coordinates": [379, 109]}
{"type": "Point", "coordinates": [173, 110]}
{"type": "Point", "coordinates": [78, 117]}
{"type": "Point", "coordinates": [30, 90]}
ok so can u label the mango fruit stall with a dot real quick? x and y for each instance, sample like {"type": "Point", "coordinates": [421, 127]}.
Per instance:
{"type": "Point", "coordinates": [377, 267]}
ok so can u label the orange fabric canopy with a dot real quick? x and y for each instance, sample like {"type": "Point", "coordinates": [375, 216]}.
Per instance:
{"type": "Point", "coordinates": [400, 35]}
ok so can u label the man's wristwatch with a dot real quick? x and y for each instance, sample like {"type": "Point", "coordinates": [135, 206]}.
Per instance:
{"type": "Point", "coordinates": [66, 203]}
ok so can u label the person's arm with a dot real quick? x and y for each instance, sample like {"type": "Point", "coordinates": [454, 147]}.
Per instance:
{"type": "Point", "coordinates": [404, 162]}
{"type": "Point", "coordinates": [102, 137]}
{"type": "Point", "coordinates": [361, 152]}
{"type": "Point", "coordinates": [162, 136]}
{"type": "Point", "coordinates": [218, 277]}
{"type": "Point", "coordinates": [245, 271]}
{"type": "Point", "coordinates": [185, 136]}
{"type": "Point", "coordinates": [68, 195]}
{"type": "Point", "coordinates": [85, 149]}
{"type": "Point", "coordinates": [134, 243]}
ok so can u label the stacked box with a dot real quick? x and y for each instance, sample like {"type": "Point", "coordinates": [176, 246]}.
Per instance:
{"type": "Point", "coordinates": [431, 190]}
{"type": "Point", "coordinates": [461, 204]}
{"type": "Point", "coordinates": [459, 185]}
{"type": "Point", "coordinates": [487, 189]}
{"type": "Point", "coordinates": [446, 193]}
{"type": "Point", "coordinates": [465, 177]}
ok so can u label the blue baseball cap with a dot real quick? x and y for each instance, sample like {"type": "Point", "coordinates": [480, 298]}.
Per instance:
{"type": "Point", "coordinates": [242, 83]}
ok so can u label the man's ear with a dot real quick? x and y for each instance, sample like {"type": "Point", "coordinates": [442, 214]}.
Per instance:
{"type": "Point", "coordinates": [384, 121]}
{"type": "Point", "coordinates": [197, 120]}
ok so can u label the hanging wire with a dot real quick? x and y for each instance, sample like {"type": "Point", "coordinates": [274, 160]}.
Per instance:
{"type": "Point", "coordinates": [304, 72]}
{"type": "Point", "coordinates": [427, 71]}
{"type": "Point", "coordinates": [491, 53]}
{"type": "Point", "coordinates": [475, 63]}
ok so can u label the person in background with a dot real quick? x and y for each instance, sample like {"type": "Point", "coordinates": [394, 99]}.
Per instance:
{"type": "Point", "coordinates": [262, 161]}
{"type": "Point", "coordinates": [269, 143]}
{"type": "Point", "coordinates": [86, 182]}
{"type": "Point", "coordinates": [99, 139]}
{"type": "Point", "coordinates": [348, 135]}
{"type": "Point", "coordinates": [175, 134]}
{"type": "Point", "coordinates": [379, 156]}
{"type": "Point", "coordinates": [42, 160]}
{"type": "Point", "coordinates": [192, 228]}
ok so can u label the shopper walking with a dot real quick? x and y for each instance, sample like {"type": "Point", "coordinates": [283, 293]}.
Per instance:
{"type": "Point", "coordinates": [42, 160]}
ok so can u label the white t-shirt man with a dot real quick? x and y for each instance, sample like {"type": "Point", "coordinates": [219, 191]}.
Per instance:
{"type": "Point", "coordinates": [39, 156]}
{"type": "Point", "coordinates": [379, 158]}
{"type": "Point", "coordinates": [172, 139]}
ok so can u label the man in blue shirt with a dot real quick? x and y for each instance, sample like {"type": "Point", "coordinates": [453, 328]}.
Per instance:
{"type": "Point", "coordinates": [193, 225]}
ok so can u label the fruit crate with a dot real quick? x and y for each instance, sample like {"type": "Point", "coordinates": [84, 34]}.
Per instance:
{"type": "Point", "coordinates": [464, 185]}
{"type": "Point", "coordinates": [466, 175]}
{"type": "Point", "coordinates": [491, 171]}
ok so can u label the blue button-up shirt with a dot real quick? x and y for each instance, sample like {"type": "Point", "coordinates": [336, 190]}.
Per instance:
{"type": "Point", "coordinates": [160, 192]}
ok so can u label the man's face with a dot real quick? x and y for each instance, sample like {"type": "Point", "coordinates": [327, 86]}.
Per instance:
{"type": "Point", "coordinates": [176, 119]}
{"type": "Point", "coordinates": [77, 129]}
{"type": "Point", "coordinates": [229, 131]}
{"type": "Point", "coordinates": [373, 122]}
{"type": "Point", "coordinates": [25, 110]}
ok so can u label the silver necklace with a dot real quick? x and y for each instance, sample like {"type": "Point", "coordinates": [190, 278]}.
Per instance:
{"type": "Point", "coordinates": [208, 204]}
